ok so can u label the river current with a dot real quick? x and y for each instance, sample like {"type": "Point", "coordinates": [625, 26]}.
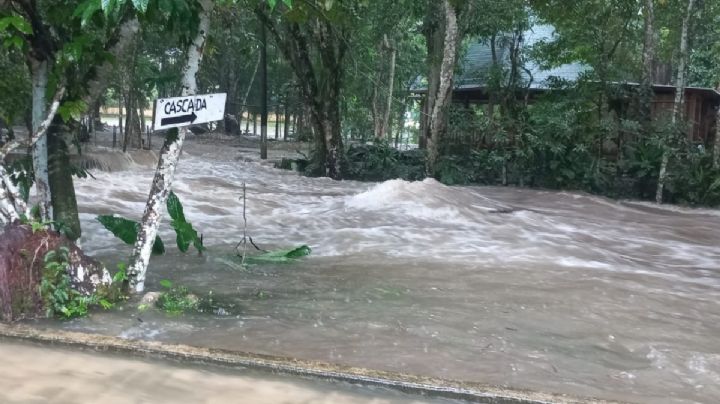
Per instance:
{"type": "Point", "coordinates": [553, 291]}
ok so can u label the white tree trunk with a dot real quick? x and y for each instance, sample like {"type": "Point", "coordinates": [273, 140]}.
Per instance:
{"type": "Point", "coordinates": [679, 104]}
{"type": "Point", "coordinates": [169, 156]}
{"type": "Point", "coordinates": [39, 149]}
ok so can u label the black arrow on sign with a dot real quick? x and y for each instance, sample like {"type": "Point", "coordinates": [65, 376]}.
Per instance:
{"type": "Point", "coordinates": [178, 119]}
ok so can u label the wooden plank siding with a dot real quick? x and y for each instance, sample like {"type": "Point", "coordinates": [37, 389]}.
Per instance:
{"type": "Point", "coordinates": [701, 106]}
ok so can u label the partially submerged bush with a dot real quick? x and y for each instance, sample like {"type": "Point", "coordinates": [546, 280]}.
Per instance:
{"type": "Point", "coordinates": [176, 299]}
{"type": "Point", "coordinates": [30, 255]}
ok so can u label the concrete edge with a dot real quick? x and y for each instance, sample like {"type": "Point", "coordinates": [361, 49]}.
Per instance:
{"type": "Point", "coordinates": [426, 386]}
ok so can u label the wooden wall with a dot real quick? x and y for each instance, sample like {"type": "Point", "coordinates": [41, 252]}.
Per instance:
{"type": "Point", "coordinates": [699, 112]}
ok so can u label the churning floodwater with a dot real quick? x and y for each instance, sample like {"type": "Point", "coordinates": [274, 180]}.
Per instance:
{"type": "Point", "coordinates": [552, 291]}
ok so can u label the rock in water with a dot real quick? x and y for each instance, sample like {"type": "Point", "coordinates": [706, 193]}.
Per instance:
{"type": "Point", "coordinates": [22, 254]}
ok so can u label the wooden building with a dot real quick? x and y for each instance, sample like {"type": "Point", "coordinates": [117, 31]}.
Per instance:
{"type": "Point", "coordinates": [701, 104]}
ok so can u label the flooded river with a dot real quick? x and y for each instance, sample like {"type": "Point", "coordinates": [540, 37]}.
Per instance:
{"type": "Point", "coordinates": [551, 291]}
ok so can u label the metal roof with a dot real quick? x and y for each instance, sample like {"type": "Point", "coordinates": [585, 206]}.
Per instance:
{"type": "Point", "coordinates": [477, 61]}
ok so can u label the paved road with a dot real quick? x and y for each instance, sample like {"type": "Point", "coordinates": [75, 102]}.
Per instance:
{"type": "Point", "coordinates": [36, 374]}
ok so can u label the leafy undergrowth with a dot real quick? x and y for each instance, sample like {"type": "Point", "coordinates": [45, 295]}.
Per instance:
{"type": "Point", "coordinates": [61, 300]}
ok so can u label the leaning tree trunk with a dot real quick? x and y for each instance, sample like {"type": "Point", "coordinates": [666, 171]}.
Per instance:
{"type": "Point", "coordinates": [437, 109]}
{"type": "Point", "coordinates": [12, 206]}
{"type": "Point", "coordinates": [40, 75]}
{"type": "Point", "coordinates": [678, 104]}
{"type": "Point", "coordinates": [169, 156]}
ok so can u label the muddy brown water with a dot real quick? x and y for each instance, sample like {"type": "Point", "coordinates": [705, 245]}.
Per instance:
{"type": "Point", "coordinates": [552, 291]}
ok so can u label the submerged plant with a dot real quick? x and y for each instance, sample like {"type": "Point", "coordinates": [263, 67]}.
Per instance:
{"type": "Point", "coordinates": [280, 256]}
{"type": "Point", "coordinates": [176, 299]}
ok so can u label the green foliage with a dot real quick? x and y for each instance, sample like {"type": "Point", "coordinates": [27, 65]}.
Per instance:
{"type": "Point", "coordinates": [280, 256]}
{"type": "Point", "coordinates": [379, 161]}
{"type": "Point", "coordinates": [59, 297]}
{"type": "Point", "coordinates": [127, 231]}
{"type": "Point", "coordinates": [17, 22]}
{"type": "Point", "coordinates": [694, 180]}
{"type": "Point", "coordinates": [176, 300]}
{"type": "Point", "coordinates": [185, 233]}
{"type": "Point", "coordinates": [121, 274]}
{"type": "Point", "coordinates": [71, 110]}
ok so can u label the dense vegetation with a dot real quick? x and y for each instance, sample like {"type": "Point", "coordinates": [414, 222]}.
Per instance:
{"type": "Point", "coordinates": [364, 83]}
{"type": "Point", "coordinates": [349, 75]}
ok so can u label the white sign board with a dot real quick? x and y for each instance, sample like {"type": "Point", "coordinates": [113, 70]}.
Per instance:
{"type": "Point", "coordinates": [184, 111]}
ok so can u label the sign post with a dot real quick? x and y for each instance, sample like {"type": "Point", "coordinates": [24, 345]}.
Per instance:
{"type": "Point", "coordinates": [192, 109]}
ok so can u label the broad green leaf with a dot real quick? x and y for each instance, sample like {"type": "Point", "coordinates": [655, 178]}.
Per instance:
{"type": "Point", "coordinates": [17, 22]}
{"type": "Point", "coordinates": [13, 41]}
{"type": "Point", "coordinates": [184, 231]}
{"type": "Point", "coordinates": [272, 3]}
{"type": "Point", "coordinates": [185, 234]}
{"type": "Point", "coordinates": [71, 110]}
{"type": "Point", "coordinates": [280, 256]}
{"type": "Point", "coordinates": [124, 229]}
{"type": "Point", "coordinates": [127, 231]}
{"type": "Point", "coordinates": [175, 208]}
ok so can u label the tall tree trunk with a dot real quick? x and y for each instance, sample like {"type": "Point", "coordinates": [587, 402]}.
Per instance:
{"type": "Point", "coordinates": [716, 145]}
{"type": "Point", "coordinates": [129, 111]}
{"type": "Point", "coordinates": [320, 82]}
{"type": "Point", "coordinates": [169, 156]}
{"type": "Point", "coordinates": [40, 73]}
{"type": "Point", "coordinates": [401, 124]}
{"type": "Point", "coordinates": [386, 127]}
{"type": "Point", "coordinates": [678, 104]}
{"type": "Point", "coordinates": [646, 90]}
{"type": "Point", "coordinates": [286, 118]}
{"type": "Point", "coordinates": [62, 190]}
{"type": "Point", "coordinates": [120, 111]}
{"type": "Point", "coordinates": [263, 93]}
{"type": "Point", "coordinates": [439, 103]}
{"type": "Point", "coordinates": [243, 107]}
{"type": "Point", "coordinates": [277, 121]}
